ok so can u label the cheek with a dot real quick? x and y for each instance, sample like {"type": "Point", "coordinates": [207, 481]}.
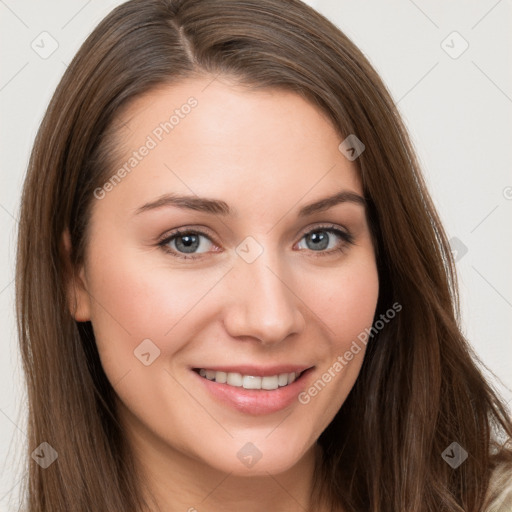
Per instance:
{"type": "Point", "coordinates": [135, 299]}
{"type": "Point", "coordinates": [345, 301]}
{"type": "Point", "coordinates": [346, 304]}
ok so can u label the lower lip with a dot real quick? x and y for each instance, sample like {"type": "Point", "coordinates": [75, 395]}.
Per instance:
{"type": "Point", "coordinates": [256, 401]}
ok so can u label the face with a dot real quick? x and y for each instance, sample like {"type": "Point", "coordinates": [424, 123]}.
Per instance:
{"type": "Point", "coordinates": [224, 295]}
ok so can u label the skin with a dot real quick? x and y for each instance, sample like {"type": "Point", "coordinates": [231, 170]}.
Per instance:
{"type": "Point", "coordinates": [265, 153]}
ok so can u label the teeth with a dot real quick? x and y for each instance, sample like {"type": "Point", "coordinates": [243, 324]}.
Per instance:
{"type": "Point", "coordinates": [234, 379]}
{"type": "Point", "coordinates": [221, 377]}
{"type": "Point", "coordinates": [282, 380]}
{"type": "Point", "coordinates": [270, 382]}
{"type": "Point", "coordinates": [250, 381]}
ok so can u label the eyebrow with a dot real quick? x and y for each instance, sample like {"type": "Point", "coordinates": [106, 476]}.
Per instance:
{"type": "Point", "coordinates": [218, 207]}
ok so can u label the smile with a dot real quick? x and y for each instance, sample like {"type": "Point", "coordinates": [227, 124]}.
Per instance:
{"type": "Point", "coordinates": [254, 390]}
{"type": "Point", "coordinates": [268, 382]}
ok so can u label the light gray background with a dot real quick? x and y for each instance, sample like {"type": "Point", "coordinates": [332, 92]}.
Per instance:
{"type": "Point", "coordinates": [458, 111]}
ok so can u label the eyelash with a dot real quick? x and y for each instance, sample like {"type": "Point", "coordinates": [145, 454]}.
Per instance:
{"type": "Point", "coordinates": [346, 237]}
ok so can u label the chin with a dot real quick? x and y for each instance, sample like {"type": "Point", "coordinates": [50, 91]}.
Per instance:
{"type": "Point", "coordinates": [259, 457]}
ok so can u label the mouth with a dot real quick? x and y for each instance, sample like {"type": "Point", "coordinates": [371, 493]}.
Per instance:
{"type": "Point", "coordinates": [255, 382]}
{"type": "Point", "coordinates": [252, 390]}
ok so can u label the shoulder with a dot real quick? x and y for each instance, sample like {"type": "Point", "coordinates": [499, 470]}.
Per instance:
{"type": "Point", "coordinates": [499, 493]}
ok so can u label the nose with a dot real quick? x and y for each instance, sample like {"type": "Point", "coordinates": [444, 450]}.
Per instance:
{"type": "Point", "coordinates": [262, 303]}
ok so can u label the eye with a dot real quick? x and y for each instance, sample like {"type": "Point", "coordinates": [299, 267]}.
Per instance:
{"type": "Point", "coordinates": [191, 244]}
{"type": "Point", "coordinates": [185, 244]}
{"type": "Point", "coordinates": [324, 237]}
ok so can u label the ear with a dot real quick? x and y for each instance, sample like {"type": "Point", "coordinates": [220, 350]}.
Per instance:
{"type": "Point", "coordinates": [78, 297]}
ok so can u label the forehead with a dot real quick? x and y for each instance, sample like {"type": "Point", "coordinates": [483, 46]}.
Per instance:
{"type": "Point", "coordinates": [215, 137]}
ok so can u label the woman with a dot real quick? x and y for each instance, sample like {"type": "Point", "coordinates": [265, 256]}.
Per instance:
{"type": "Point", "coordinates": [233, 288]}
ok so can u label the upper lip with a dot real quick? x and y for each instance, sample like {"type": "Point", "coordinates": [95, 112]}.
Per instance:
{"type": "Point", "coordinates": [260, 371]}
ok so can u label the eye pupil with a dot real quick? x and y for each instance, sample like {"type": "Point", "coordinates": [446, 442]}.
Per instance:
{"type": "Point", "coordinates": [320, 240]}
{"type": "Point", "coordinates": [189, 243]}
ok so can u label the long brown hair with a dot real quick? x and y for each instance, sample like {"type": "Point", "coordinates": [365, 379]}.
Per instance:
{"type": "Point", "coordinates": [419, 389]}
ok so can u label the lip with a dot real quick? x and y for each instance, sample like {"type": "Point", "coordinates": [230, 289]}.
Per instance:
{"type": "Point", "coordinates": [251, 401]}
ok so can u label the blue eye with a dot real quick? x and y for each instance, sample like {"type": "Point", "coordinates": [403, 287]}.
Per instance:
{"type": "Point", "coordinates": [190, 244]}
{"type": "Point", "coordinates": [322, 238]}
{"type": "Point", "coordinates": [185, 243]}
